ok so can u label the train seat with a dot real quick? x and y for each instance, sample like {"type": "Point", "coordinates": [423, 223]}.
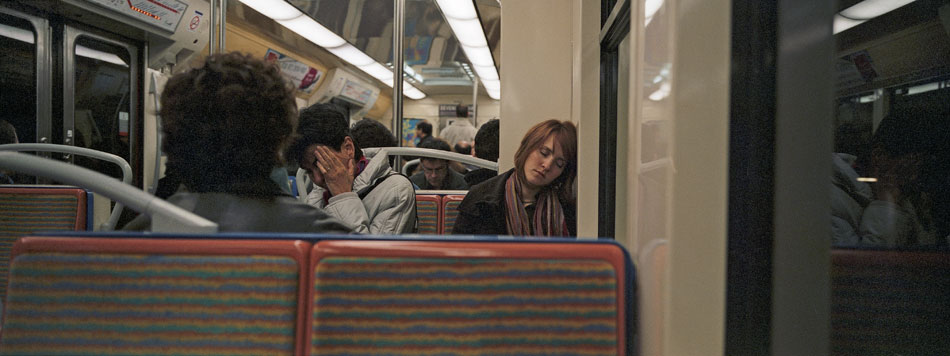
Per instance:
{"type": "Point", "coordinates": [75, 295]}
{"type": "Point", "coordinates": [485, 297]}
{"type": "Point", "coordinates": [890, 302]}
{"type": "Point", "coordinates": [428, 214]}
{"type": "Point", "coordinates": [450, 211]}
{"type": "Point", "coordinates": [25, 209]}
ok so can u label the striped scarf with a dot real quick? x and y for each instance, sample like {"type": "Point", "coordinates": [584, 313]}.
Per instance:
{"type": "Point", "coordinates": [548, 219]}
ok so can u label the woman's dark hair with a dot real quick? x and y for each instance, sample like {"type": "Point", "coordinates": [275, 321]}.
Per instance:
{"type": "Point", "coordinates": [565, 134]}
{"type": "Point", "coordinates": [226, 123]}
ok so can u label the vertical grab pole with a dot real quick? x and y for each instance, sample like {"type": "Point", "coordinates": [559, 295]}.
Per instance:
{"type": "Point", "coordinates": [212, 30]}
{"type": "Point", "coordinates": [222, 22]}
{"type": "Point", "coordinates": [474, 119]}
{"type": "Point", "coordinates": [399, 30]}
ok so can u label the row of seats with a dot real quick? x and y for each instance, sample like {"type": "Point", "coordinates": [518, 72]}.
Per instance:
{"type": "Point", "coordinates": [436, 213]}
{"type": "Point", "coordinates": [87, 293]}
{"type": "Point", "coordinates": [25, 209]}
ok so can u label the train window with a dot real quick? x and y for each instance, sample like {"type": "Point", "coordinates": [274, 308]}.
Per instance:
{"type": "Point", "coordinates": [18, 76]}
{"type": "Point", "coordinates": [102, 104]}
{"type": "Point", "coordinates": [892, 128]}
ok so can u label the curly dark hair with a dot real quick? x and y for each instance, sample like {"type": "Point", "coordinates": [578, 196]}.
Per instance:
{"type": "Point", "coordinates": [322, 124]}
{"type": "Point", "coordinates": [226, 123]}
{"type": "Point", "coordinates": [486, 141]}
{"type": "Point", "coordinates": [370, 133]}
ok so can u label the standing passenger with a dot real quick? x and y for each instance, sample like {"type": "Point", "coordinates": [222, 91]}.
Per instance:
{"type": "Point", "coordinates": [225, 125]}
{"type": "Point", "coordinates": [534, 198]}
{"type": "Point", "coordinates": [363, 191]}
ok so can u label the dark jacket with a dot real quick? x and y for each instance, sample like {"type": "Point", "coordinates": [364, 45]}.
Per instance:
{"type": "Point", "coordinates": [482, 212]}
{"type": "Point", "coordinates": [453, 181]}
{"type": "Point", "coordinates": [243, 213]}
{"type": "Point", "coordinates": [476, 176]}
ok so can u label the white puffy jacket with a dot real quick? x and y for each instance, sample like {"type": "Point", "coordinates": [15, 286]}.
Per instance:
{"type": "Point", "coordinates": [389, 209]}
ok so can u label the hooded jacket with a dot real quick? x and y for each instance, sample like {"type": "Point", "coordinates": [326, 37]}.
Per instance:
{"type": "Point", "coordinates": [388, 209]}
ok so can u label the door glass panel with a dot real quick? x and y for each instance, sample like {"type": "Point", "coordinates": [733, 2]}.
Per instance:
{"type": "Point", "coordinates": [102, 106]}
{"type": "Point", "coordinates": [18, 77]}
{"type": "Point", "coordinates": [17, 87]}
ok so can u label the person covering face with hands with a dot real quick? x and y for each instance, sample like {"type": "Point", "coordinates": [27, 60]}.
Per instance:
{"type": "Point", "coordinates": [356, 186]}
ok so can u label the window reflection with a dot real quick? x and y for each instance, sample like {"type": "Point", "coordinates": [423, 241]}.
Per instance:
{"type": "Point", "coordinates": [102, 102]}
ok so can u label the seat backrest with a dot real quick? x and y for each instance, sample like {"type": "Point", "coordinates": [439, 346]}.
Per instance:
{"type": "Point", "coordinates": [483, 297]}
{"type": "Point", "coordinates": [25, 209]}
{"type": "Point", "coordinates": [72, 295]}
{"type": "Point", "coordinates": [890, 302]}
{"type": "Point", "coordinates": [450, 211]}
{"type": "Point", "coordinates": [428, 213]}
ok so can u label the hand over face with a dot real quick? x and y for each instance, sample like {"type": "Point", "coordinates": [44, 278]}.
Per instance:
{"type": "Point", "coordinates": [337, 171]}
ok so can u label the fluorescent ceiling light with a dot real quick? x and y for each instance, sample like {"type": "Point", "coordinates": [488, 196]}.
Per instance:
{"type": "Point", "coordinates": [298, 22]}
{"type": "Point", "coordinates": [276, 10]}
{"type": "Point", "coordinates": [650, 8]}
{"type": "Point", "coordinates": [487, 74]}
{"type": "Point", "coordinates": [923, 88]}
{"type": "Point", "coordinates": [462, 10]}
{"type": "Point", "coordinates": [463, 19]}
{"type": "Point", "coordinates": [306, 27]}
{"type": "Point", "coordinates": [863, 11]}
{"type": "Point", "coordinates": [16, 33]}
{"type": "Point", "coordinates": [351, 54]}
{"type": "Point", "coordinates": [468, 32]}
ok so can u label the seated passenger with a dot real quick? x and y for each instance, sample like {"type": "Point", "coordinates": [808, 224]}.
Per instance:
{"type": "Point", "coordinates": [225, 125]}
{"type": "Point", "coordinates": [7, 136]}
{"type": "Point", "coordinates": [436, 173]}
{"type": "Point", "coordinates": [901, 213]}
{"type": "Point", "coordinates": [486, 147]}
{"type": "Point", "coordinates": [536, 198]}
{"type": "Point", "coordinates": [355, 186]}
{"type": "Point", "coordinates": [369, 133]}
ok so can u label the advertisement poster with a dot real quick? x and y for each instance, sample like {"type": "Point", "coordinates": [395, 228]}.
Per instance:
{"type": "Point", "coordinates": [304, 77]}
{"type": "Point", "coordinates": [409, 132]}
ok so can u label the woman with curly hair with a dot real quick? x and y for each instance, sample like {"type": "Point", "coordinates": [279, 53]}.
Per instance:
{"type": "Point", "coordinates": [536, 198]}
{"type": "Point", "coordinates": [225, 125]}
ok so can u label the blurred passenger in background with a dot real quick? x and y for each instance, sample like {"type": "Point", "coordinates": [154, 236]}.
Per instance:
{"type": "Point", "coordinates": [901, 213]}
{"type": "Point", "coordinates": [225, 124]}
{"type": "Point", "coordinates": [486, 147]}
{"type": "Point", "coordinates": [459, 130]}
{"type": "Point", "coordinates": [536, 198]}
{"type": "Point", "coordinates": [423, 132]}
{"type": "Point", "coordinates": [357, 187]}
{"type": "Point", "coordinates": [436, 173]}
{"type": "Point", "coordinates": [7, 135]}
{"type": "Point", "coordinates": [464, 148]}
{"type": "Point", "coordinates": [369, 133]}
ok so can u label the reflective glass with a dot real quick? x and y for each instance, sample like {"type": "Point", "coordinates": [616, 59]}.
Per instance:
{"type": "Point", "coordinates": [102, 105]}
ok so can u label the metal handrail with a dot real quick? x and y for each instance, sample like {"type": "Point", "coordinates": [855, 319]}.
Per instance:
{"type": "Point", "coordinates": [166, 217]}
{"type": "Point", "coordinates": [105, 156]}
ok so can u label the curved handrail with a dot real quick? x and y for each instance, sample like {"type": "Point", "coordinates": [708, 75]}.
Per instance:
{"type": "Point", "coordinates": [105, 156]}
{"type": "Point", "coordinates": [166, 217]}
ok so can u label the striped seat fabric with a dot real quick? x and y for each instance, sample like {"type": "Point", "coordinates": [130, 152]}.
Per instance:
{"type": "Point", "coordinates": [26, 209]}
{"type": "Point", "coordinates": [152, 302]}
{"type": "Point", "coordinates": [450, 211]}
{"type": "Point", "coordinates": [427, 213]}
{"type": "Point", "coordinates": [374, 304]}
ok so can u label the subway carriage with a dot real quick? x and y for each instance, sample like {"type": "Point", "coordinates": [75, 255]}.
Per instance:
{"type": "Point", "coordinates": [703, 189]}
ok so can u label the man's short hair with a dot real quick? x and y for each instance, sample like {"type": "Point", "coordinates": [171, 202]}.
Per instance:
{"type": "Point", "coordinates": [322, 124]}
{"type": "Point", "coordinates": [226, 123]}
{"type": "Point", "coordinates": [486, 141]}
{"type": "Point", "coordinates": [436, 144]}
{"type": "Point", "coordinates": [425, 127]}
{"type": "Point", "coordinates": [463, 147]}
{"type": "Point", "coordinates": [369, 133]}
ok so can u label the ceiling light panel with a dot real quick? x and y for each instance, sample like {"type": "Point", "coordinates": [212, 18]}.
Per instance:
{"type": "Point", "coordinates": [463, 19]}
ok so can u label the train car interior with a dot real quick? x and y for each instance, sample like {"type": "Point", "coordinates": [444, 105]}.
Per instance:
{"type": "Point", "coordinates": [703, 193]}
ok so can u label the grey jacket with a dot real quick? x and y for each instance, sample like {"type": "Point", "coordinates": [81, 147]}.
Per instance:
{"type": "Point", "coordinates": [241, 213]}
{"type": "Point", "coordinates": [389, 209]}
